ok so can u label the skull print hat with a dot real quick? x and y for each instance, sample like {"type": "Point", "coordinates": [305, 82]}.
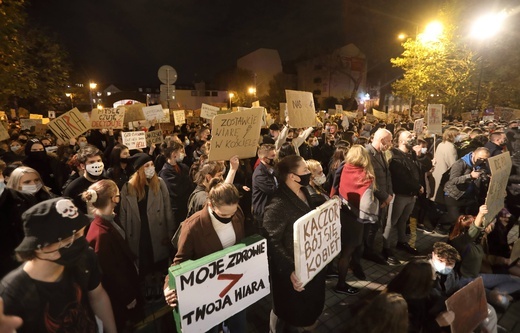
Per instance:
{"type": "Point", "coordinates": [49, 222]}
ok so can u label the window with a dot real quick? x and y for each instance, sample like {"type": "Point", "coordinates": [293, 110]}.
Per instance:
{"type": "Point", "coordinates": [214, 93]}
{"type": "Point", "coordinates": [207, 93]}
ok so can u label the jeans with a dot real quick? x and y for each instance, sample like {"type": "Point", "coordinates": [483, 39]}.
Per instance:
{"type": "Point", "coordinates": [503, 283]}
{"type": "Point", "coordinates": [401, 211]}
{"type": "Point", "coordinates": [236, 323]}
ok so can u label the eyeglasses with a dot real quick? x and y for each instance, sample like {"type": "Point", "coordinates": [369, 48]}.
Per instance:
{"type": "Point", "coordinates": [67, 242]}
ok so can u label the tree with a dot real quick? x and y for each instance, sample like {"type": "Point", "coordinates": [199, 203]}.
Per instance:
{"type": "Point", "coordinates": [277, 87]}
{"type": "Point", "coordinates": [34, 71]}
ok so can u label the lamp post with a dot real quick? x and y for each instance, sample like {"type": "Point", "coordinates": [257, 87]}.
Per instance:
{"type": "Point", "coordinates": [92, 86]}
{"type": "Point", "coordinates": [70, 95]}
{"type": "Point", "coordinates": [231, 95]}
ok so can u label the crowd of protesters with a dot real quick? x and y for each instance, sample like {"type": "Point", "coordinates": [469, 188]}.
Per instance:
{"type": "Point", "coordinates": [89, 228]}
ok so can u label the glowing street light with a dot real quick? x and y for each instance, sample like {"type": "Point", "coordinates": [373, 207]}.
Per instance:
{"type": "Point", "coordinates": [251, 90]}
{"type": "Point", "coordinates": [70, 95]}
{"type": "Point", "coordinates": [231, 95]}
{"type": "Point", "coordinates": [432, 32]}
{"type": "Point", "coordinates": [92, 86]}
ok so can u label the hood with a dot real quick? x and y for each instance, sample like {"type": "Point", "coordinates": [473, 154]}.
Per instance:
{"type": "Point", "coordinates": [468, 159]}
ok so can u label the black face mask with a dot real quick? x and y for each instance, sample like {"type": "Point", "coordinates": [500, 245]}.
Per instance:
{"type": "Point", "coordinates": [70, 255]}
{"type": "Point", "coordinates": [410, 143]}
{"type": "Point", "coordinates": [288, 139]}
{"type": "Point", "coordinates": [480, 162]}
{"type": "Point", "coordinates": [123, 160]}
{"type": "Point", "coordinates": [38, 155]}
{"type": "Point", "coordinates": [221, 219]}
{"type": "Point", "coordinates": [270, 162]}
{"type": "Point", "coordinates": [209, 137]}
{"type": "Point", "coordinates": [304, 179]}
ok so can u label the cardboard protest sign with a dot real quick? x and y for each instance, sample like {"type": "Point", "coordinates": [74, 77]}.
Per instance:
{"type": "Point", "coordinates": [506, 114]}
{"type": "Point", "coordinates": [13, 113]}
{"type": "Point", "coordinates": [45, 121]}
{"type": "Point", "coordinates": [488, 118]}
{"type": "Point", "coordinates": [4, 135]}
{"type": "Point", "coordinates": [179, 117]}
{"type": "Point", "coordinates": [166, 117]}
{"type": "Point", "coordinates": [29, 124]}
{"type": "Point", "coordinates": [235, 133]}
{"type": "Point", "coordinates": [134, 140]}
{"type": "Point", "coordinates": [3, 116]}
{"type": "Point", "coordinates": [380, 115]}
{"type": "Point", "coordinates": [256, 104]}
{"type": "Point", "coordinates": [435, 118]}
{"type": "Point", "coordinates": [134, 112]}
{"type": "Point", "coordinates": [317, 239]}
{"type": "Point", "coordinates": [154, 137]}
{"type": "Point", "coordinates": [339, 108]}
{"type": "Point", "coordinates": [350, 115]}
{"type": "Point", "coordinates": [500, 167]}
{"type": "Point", "coordinates": [154, 112]}
{"type": "Point", "coordinates": [35, 116]}
{"type": "Point", "coordinates": [208, 111]}
{"type": "Point", "coordinates": [40, 130]}
{"type": "Point", "coordinates": [300, 106]}
{"type": "Point", "coordinates": [418, 126]}
{"type": "Point", "coordinates": [52, 114]}
{"type": "Point", "coordinates": [215, 287]}
{"type": "Point", "coordinates": [466, 116]}
{"type": "Point", "coordinates": [469, 305]}
{"type": "Point", "coordinates": [23, 113]}
{"type": "Point", "coordinates": [69, 125]}
{"type": "Point", "coordinates": [108, 118]}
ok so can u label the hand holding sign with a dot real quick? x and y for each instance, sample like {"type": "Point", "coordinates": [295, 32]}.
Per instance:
{"type": "Point", "coordinates": [170, 295]}
{"type": "Point", "coordinates": [297, 284]}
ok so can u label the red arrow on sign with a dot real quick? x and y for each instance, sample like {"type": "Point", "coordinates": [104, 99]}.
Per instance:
{"type": "Point", "coordinates": [234, 279]}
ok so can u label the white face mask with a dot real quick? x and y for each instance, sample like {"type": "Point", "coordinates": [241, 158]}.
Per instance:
{"type": "Point", "coordinates": [315, 143]}
{"type": "Point", "coordinates": [149, 172]}
{"type": "Point", "coordinates": [424, 150]}
{"type": "Point", "coordinates": [320, 179]}
{"type": "Point", "coordinates": [440, 267]}
{"type": "Point", "coordinates": [2, 186]}
{"type": "Point", "coordinates": [180, 158]}
{"type": "Point", "coordinates": [15, 148]}
{"type": "Point", "coordinates": [95, 169]}
{"type": "Point", "coordinates": [187, 142]}
{"type": "Point", "coordinates": [31, 189]}
{"type": "Point", "coordinates": [82, 144]}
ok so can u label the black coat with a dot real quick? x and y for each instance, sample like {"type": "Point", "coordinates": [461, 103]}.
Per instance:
{"type": "Point", "coordinates": [382, 173]}
{"type": "Point", "coordinates": [297, 308]}
{"type": "Point", "coordinates": [180, 187]}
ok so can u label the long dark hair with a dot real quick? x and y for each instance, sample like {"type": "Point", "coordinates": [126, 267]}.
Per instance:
{"type": "Point", "coordinates": [115, 160]}
{"type": "Point", "coordinates": [414, 281]}
{"type": "Point", "coordinates": [288, 165]}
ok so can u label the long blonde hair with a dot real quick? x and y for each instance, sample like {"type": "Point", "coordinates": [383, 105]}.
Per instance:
{"type": "Point", "coordinates": [358, 156]}
{"type": "Point", "coordinates": [138, 181]}
{"type": "Point", "coordinates": [17, 174]}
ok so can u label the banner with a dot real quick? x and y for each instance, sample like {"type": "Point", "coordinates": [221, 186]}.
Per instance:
{"type": "Point", "coordinates": [300, 106]}
{"type": "Point", "coordinates": [500, 167]}
{"type": "Point", "coordinates": [154, 137]}
{"type": "Point", "coordinates": [435, 118]}
{"type": "Point", "coordinates": [134, 140]}
{"type": "Point", "coordinates": [214, 288]}
{"type": "Point", "coordinates": [469, 305]}
{"type": "Point", "coordinates": [339, 108]}
{"type": "Point", "coordinates": [235, 133]}
{"type": "Point", "coordinates": [380, 115]}
{"type": "Point", "coordinates": [69, 125]}
{"type": "Point", "coordinates": [179, 117]}
{"type": "Point", "coordinates": [29, 124]}
{"type": "Point", "coordinates": [506, 114]}
{"type": "Point", "coordinates": [154, 112]}
{"type": "Point", "coordinates": [108, 118]}
{"type": "Point", "coordinates": [134, 112]}
{"type": "Point", "coordinates": [40, 130]}
{"type": "Point", "coordinates": [418, 126]}
{"type": "Point", "coordinates": [467, 116]}
{"type": "Point", "coordinates": [208, 111]}
{"type": "Point", "coordinates": [317, 239]}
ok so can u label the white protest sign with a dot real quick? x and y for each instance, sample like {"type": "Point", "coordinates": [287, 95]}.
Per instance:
{"type": "Point", "coordinates": [418, 126]}
{"type": "Point", "coordinates": [381, 115]}
{"type": "Point", "coordinates": [107, 118]}
{"type": "Point", "coordinates": [236, 133]}
{"type": "Point", "coordinates": [256, 104]}
{"type": "Point", "coordinates": [69, 125]}
{"type": "Point", "coordinates": [134, 140]}
{"type": "Point", "coordinates": [488, 118]}
{"type": "Point", "coordinates": [29, 124]}
{"type": "Point", "coordinates": [216, 287]}
{"type": "Point", "coordinates": [208, 111]}
{"type": "Point", "coordinates": [35, 116]}
{"type": "Point", "coordinates": [166, 117]}
{"type": "Point", "coordinates": [179, 117]}
{"type": "Point", "coordinates": [435, 118]}
{"type": "Point", "coordinates": [339, 108]}
{"type": "Point", "coordinates": [500, 167]}
{"type": "Point", "coordinates": [154, 137]}
{"type": "Point", "coordinates": [300, 106]}
{"type": "Point", "coordinates": [154, 112]}
{"type": "Point", "coordinates": [317, 239]}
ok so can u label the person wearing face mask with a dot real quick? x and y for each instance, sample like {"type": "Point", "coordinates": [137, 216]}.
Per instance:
{"type": "Point", "coordinates": [264, 183]}
{"type": "Point", "coordinates": [218, 225]}
{"type": "Point", "coordinates": [177, 177]}
{"type": "Point", "coordinates": [116, 260]}
{"type": "Point", "coordinates": [58, 284]}
{"type": "Point", "coordinates": [15, 153]}
{"type": "Point", "coordinates": [316, 191]}
{"type": "Point", "coordinates": [146, 217]}
{"type": "Point", "coordinates": [120, 169]}
{"type": "Point", "coordinates": [28, 180]}
{"type": "Point", "coordinates": [91, 162]}
{"type": "Point", "coordinates": [48, 167]}
{"type": "Point", "coordinates": [293, 305]}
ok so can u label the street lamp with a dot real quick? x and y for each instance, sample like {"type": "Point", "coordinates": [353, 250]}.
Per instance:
{"type": "Point", "coordinates": [231, 95]}
{"type": "Point", "coordinates": [252, 91]}
{"type": "Point", "coordinates": [70, 95]}
{"type": "Point", "coordinates": [92, 86]}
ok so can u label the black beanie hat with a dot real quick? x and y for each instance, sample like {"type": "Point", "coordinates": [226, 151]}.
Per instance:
{"type": "Point", "coordinates": [139, 159]}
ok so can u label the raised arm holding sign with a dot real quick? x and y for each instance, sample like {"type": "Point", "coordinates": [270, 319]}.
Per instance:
{"type": "Point", "coordinates": [300, 107]}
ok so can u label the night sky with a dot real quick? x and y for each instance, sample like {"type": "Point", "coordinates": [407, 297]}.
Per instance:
{"type": "Point", "coordinates": [126, 41]}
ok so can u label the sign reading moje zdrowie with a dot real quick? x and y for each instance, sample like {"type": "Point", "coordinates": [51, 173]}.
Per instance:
{"type": "Point", "coordinates": [317, 239]}
{"type": "Point", "coordinates": [214, 288]}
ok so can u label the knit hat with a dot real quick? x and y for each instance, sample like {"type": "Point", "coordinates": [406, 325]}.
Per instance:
{"type": "Point", "coordinates": [274, 127]}
{"type": "Point", "coordinates": [29, 145]}
{"type": "Point", "coordinates": [49, 222]}
{"type": "Point", "coordinates": [139, 159]}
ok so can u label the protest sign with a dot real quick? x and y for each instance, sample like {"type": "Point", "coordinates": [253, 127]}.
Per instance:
{"type": "Point", "coordinates": [435, 118]}
{"type": "Point", "coordinates": [107, 118]}
{"type": "Point", "coordinates": [154, 112]}
{"type": "Point", "coordinates": [179, 117]}
{"type": "Point", "coordinates": [488, 118]}
{"type": "Point", "coordinates": [3, 116]}
{"type": "Point", "coordinates": [256, 104]}
{"type": "Point", "coordinates": [317, 239]}
{"type": "Point", "coordinates": [208, 111]}
{"type": "Point", "coordinates": [35, 116]}
{"type": "Point", "coordinates": [52, 114]}
{"type": "Point", "coordinates": [29, 124]}
{"type": "Point", "coordinates": [134, 140]}
{"type": "Point", "coordinates": [86, 116]}
{"type": "Point", "coordinates": [469, 305]}
{"type": "Point", "coordinates": [381, 115]}
{"type": "Point", "coordinates": [4, 135]}
{"type": "Point", "coordinates": [466, 116]}
{"type": "Point", "coordinates": [500, 167]}
{"type": "Point", "coordinates": [339, 108]}
{"type": "Point", "coordinates": [23, 113]}
{"type": "Point", "coordinates": [134, 112]}
{"type": "Point", "coordinates": [166, 117]}
{"type": "Point", "coordinates": [236, 133]}
{"type": "Point", "coordinates": [154, 137]}
{"type": "Point", "coordinates": [214, 288]}
{"type": "Point", "coordinates": [350, 115]}
{"type": "Point", "coordinates": [331, 112]}
{"type": "Point", "coordinates": [45, 121]}
{"type": "Point", "coordinates": [418, 126]}
{"type": "Point", "coordinates": [69, 125]}
{"type": "Point", "coordinates": [300, 107]}
{"type": "Point", "coordinates": [40, 130]}
{"type": "Point", "coordinates": [506, 114]}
